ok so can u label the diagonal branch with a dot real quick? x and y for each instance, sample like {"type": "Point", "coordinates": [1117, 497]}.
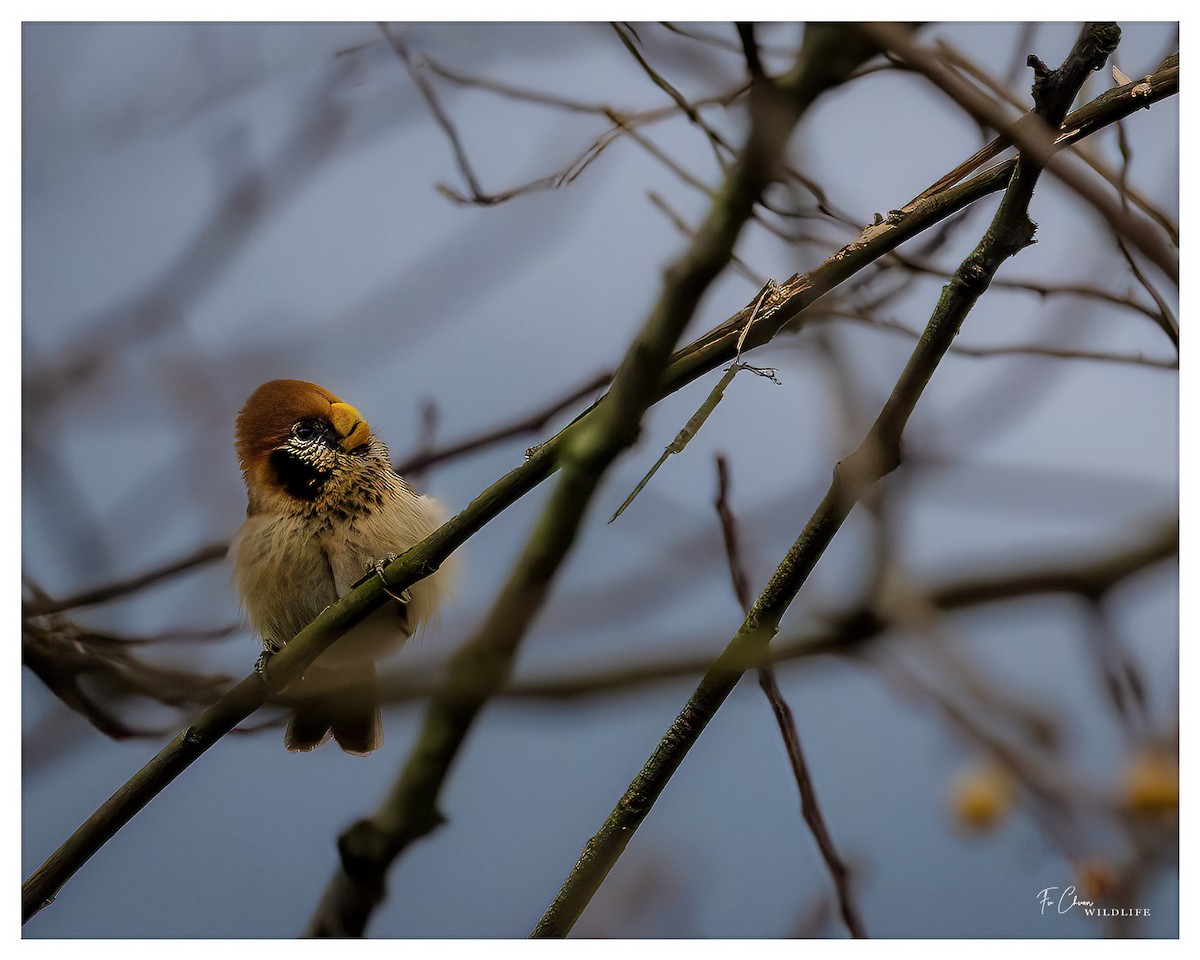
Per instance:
{"type": "Point", "coordinates": [369, 847]}
{"type": "Point", "coordinates": [1034, 134]}
{"type": "Point", "coordinates": [42, 605]}
{"type": "Point", "coordinates": [709, 351]}
{"type": "Point", "coordinates": [810, 807]}
{"type": "Point", "coordinates": [878, 455]}
{"type": "Point", "coordinates": [425, 88]}
{"type": "Point", "coordinates": [847, 631]}
{"type": "Point", "coordinates": [718, 346]}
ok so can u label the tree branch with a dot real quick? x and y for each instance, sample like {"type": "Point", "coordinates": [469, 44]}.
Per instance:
{"type": "Point", "coordinates": [845, 631]}
{"type": "Point", "coordinates": [718, 345]}
{"type": "Point", "coordinates": [43, 605]}
{"type": "Point", "coordinates": [482, 666]}
{"type": "Point", "coordinates": [1035, 135]}
{"type": "Point", "coordinates": [707, 352]}
{"type": "Point", "coordinates": [810, 807]}
{"type": "Point", "coordinates": [1011, 231]}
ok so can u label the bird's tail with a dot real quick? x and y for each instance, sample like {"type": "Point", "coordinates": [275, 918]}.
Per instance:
{"type": "Point", "coordinates": [342, 704]}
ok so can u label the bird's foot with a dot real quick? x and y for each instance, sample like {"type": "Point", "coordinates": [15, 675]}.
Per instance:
{"type": "Point", "coordinates": [377, 568]}
{"type": "Point", "coordinates": [260, 665]}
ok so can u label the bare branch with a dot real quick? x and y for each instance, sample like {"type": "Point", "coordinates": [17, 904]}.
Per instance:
{"type": "Point", "coordinates": [847, 631]}
{"type": "Point", "coordinates": [710, 350]}
{"type": "Point", "coordinates": [1033, 349]}
{"type": "Point", "coordinates": [198, 558]}
{"type": "Point", "coordinates": [878, 454]}
{"type": "Point", "coordinates": [1037, 144]}
{"type": "Point", "coordinates": [63, 655]}
{"type": "Point", "coordinates": [439, 115]}
{"type": "Point", "coordinates": [420, 462]}
{"type": "Point", "coordinates": [1163, 317]}
{"type": "Point", "coordinates": [587, 449]}
{"type": "Point", "coordinates": [809, 805]}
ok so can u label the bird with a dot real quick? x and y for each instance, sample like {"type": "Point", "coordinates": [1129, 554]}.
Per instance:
{"type": "Point", "coordinates": [324, 509]}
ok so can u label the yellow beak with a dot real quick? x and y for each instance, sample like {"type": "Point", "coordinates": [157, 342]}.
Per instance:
{"type": "Point", "coordinates": [351, 427]}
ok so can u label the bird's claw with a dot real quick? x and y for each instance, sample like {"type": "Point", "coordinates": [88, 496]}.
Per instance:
{"type": "Point", "coordinates": [404, 597]}
{"type": "Point", "coordinates": [260, 665]}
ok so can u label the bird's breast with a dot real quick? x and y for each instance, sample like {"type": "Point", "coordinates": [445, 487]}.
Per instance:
{"type": "Point", "coordinates": [283, 575]}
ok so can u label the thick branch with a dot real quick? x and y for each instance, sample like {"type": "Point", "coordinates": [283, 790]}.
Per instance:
{"type": "Point", "coordinates": [810, 807]}
{"type": "Point", "coordinates": [483, 665]}
{"type": "Point", "coordinates": [1011, 230]}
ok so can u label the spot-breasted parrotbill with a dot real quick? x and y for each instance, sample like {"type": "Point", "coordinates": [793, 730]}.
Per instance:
{"type": "Point", "coordinates": [324, 506]}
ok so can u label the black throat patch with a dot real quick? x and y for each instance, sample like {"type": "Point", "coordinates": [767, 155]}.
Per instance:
{"type": "Point", "coordinates": [302, 480]}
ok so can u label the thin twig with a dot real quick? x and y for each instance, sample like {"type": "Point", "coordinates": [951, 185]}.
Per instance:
{"type": "Point", "coordinates": [1033, 349]}
{"type": "Point", "coordinates": [878, 455]}
{"type": "Point", "coordinates": [721, 148]}
{"type": "Point", "coordinates": [425, 88]}
{"type": "Point", "coordinates": [410, 811]}
{"type": "Point", "coordinates": [1164, 318]}
{"type": "Point", "coordinates": [841, 632]}
{"type": "Point", "coordinates": [121, 588]}
{"type": "Point", "coordinates": [809, 805]}
{"type": "Point", "coordinates": [422, 461]}
{"type": "Point", "coordinates": [1036, 142]}
{"type": "Point", "coordinates": [1044, 289]}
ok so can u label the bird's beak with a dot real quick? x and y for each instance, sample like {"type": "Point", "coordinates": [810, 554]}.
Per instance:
{"type": "Point", "coordinates": [351, 427]}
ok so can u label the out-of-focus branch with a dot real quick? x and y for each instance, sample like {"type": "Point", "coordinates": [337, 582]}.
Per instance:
{"type": "Point", "coordinates": [846, 631]}
{"type": "Point", "coordinates": [1033, 349]}
{"type": "Point", "coordinates": [717, 142]}
{"type": "Point", "coordinates": [40, 606]}
{"type": "Point", "coordinates": [246, 200]}
{"type": "Point", "coordinates": [422, 461]}
{"type": "Point", "coordinates": [624, 122]}
{"type": "Point", "coordinates": [631, 117]}
{"type": "Point", "coordinates": [707, 352]}
{"type": "Point", "coordinates": [749, 42]}
{"type": "Point", "coordinates": [1011, 231]}
{"type": "Point", "coordinates": [63, 655]}
{"type": "Point", "coordinates": [1163, 317]}
{"type": "Point", "coordinates": [1037, 141]}
{"type": "Point", "coordinates": [720, 43]}
{"type": "Point", "coordinates": [809, 805]}
{"type": "Point", "coordinates": [435, 108]}
{"type": "Point", "coordinates": [484, 663]}
{"type": "Point", "coordinates": [718, 346]}
{"type": "Point", "coordinates": [678, 223]}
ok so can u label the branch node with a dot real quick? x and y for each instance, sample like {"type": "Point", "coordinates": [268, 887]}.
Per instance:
{"type": "Point", "coordinates": [363, 847]}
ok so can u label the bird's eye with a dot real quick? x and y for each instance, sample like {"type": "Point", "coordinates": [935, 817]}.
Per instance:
{"type": "Point", "coordinates": [304, 431]}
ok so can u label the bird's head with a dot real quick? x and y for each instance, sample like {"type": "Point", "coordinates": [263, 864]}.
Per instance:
{"type": "Point", "coordinates": [298, 444]}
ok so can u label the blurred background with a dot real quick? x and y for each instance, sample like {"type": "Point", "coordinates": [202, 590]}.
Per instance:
{"type": "Point", "coordinates": [208, 206]}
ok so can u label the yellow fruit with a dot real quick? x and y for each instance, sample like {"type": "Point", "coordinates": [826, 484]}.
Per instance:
{"type": "Point", "coordinates": [982, 796]}
{"type": "Point", "coordinates": [1152, 782]}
